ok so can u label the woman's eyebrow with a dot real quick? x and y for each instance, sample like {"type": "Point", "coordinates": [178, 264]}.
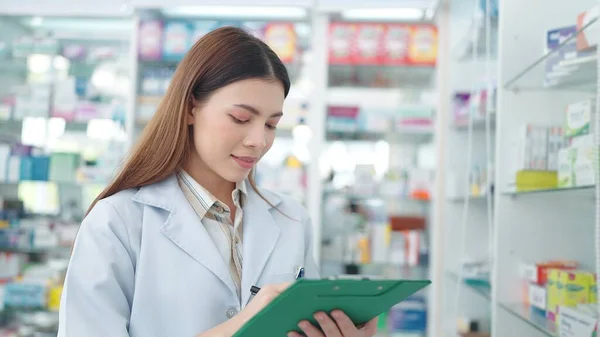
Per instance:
{"type": "Point", "coordinates": [256, 111]}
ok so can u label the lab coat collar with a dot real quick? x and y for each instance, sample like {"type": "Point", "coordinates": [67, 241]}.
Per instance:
{"type": "Point", "coordinates": [260, 231]}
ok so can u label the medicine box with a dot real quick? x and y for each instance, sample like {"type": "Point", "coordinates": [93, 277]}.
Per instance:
{"type": "Point", "coordinates": [568, 288]}
{"type": "Point", "coordinates": [577, 322]}
{"type": "Point", "coordinates": [552, 293]}
{"type": "Point", "coordinates": [574, 286]}
{"type": "Point", "coordinates": [556, 142]}
{"type": "Point", "coordinates": [532, 147]}
{"type": "Point", "coordinates": [566, 165]}
{"type": "Point", "coordinates": [576, 166]}
{"type": "Point", "coordinates": [537, 296]}
{"type": "Point", "coordinates": [538, 272]}
{"type": "Point", "coordinates": [580, 118]}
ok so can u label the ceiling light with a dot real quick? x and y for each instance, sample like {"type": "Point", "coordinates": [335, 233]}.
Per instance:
{"type": "Point", "coordinates": [238, 12]}
{"type": "Point", "coordinates": [383, 14]}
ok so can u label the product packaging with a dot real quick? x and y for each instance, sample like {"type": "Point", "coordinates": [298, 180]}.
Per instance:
{"type": "Point", "coordinates": [580, 118]}
{"type": "Point", "coordinates": [568, 288]}
{"type": "Point", "coordinates": [556, 142]}
{"type": "Point", "coordinates": [587, 39]}
{"type": "Point", "coordinates": [538, 272]}
{"type": "Point", "coordinates": [536, 180]}
{"type": "Point", "coordinates": [576, 166]}
{"type": "Point", "coordinates": [537, 297]}
{"type": "Point", "coordinates": [532, 147]}
{"type": "Point", "coordinates": [577, 322]}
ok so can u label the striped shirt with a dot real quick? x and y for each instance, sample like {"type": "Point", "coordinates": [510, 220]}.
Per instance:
{"type": "Point", "coordinates": [215, 216]}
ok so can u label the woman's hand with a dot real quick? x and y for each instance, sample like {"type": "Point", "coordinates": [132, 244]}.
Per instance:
{"type": "Point", "coordinates": [260, 300]}
{"type": "Point", "coordinates": [264, 297]}
{"type": "Point", "coordinates": [338, 326]}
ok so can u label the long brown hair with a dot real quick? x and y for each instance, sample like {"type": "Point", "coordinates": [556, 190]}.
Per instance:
{"type": "Point", "coordinates": [221, 57]}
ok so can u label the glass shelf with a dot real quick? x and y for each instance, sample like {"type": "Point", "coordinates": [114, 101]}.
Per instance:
{"type": "Point", "coordinates": [479, 197]}
{"type": "Point", "coordinates": [536, 319]}
{"type": "Point", "coordinates": [480, 287]}
{"type": "Point", "coordinates": [563, 68]}
{"type": "Point", "coordinates": [583, 190]}
{"type": "Point", "coordinates": [417, 135]}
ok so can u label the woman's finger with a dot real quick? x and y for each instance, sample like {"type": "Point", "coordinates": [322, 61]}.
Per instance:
{"type": "Point", "coordinates": [329, 327]}
{"type": "Point", "coordinates": [310, 330]}
{"type": "Point", "coordinates": [344, 323]}
{"type": "Point", "coordinates": [370, 328]}
{"type": "Point", "coordinates": [293, 334]}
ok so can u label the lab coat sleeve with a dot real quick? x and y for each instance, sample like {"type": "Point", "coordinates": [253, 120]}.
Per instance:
{"type": "Point", "coordinates": [310, 266]}
{"type": "Point", "coordinates": [98, 289]}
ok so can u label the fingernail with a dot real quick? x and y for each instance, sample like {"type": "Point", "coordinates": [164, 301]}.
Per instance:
{"type": "Point", "coordinates": [320, 316]}
{"type": "Point", "coordinates": [303, 325]}
{"type": "Point", "coordinates": [336, 314]}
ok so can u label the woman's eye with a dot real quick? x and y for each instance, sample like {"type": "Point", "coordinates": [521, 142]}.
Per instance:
{"type": "Point", "coordinates": [238, 121]}
{"type": "Point", "coordinates": [271, 127]}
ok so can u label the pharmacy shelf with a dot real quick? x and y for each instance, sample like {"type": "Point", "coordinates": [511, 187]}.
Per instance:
{"type": "Point", "coordinates": [478, 124]}
{"type": "Point", "coordinates": [412, 135]}
{"type": "Point", "coordinates": [387, 198]}
{"type": "Point", "coordinates": [531, 317]}
{"type": "Point", "coordinates": [479, 197]}
{"type": "Point", "coordinates": [474, 40]}
{"type": "Point", "coordinates": [34, 251]}
{"type": "Point", "coordinates": [585, 191]}
{"type": "Point", "coordinates": [479, 287]}
{"type": "Point", "coordinates": [573, 73]}
{"type": "Point", "coordinates": [15, 126]}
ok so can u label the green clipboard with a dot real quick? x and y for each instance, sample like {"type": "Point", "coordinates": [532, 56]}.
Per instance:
{"type": "Point", "coordinates": [361, 300]}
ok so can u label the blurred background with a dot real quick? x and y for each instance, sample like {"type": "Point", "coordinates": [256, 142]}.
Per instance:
{"type": "Point", "coordinates": [388, 138]}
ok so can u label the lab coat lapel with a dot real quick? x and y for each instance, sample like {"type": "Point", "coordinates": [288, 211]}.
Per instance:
{"type": "Point", "coordinates": [260, 234]}
{"type": "Point", "coordinates": [184, 228]}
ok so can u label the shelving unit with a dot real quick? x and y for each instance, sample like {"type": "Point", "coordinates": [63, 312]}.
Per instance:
{"type": "Point", "coordinates": [52, 104]}
{"type": "Point", "coordinates": [529, 222]}
{"type": "Point", "coordinates": [468, 171]}
{"type": "Point", "coordinates": [536, 88]}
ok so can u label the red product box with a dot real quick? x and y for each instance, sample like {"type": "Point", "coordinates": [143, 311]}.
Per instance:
{"type": "Point", "coordinates": [341, 37]}
{"type": "Point", "coordinates": [367, 44]}
{"type": "Point", "coordinates": [396, 44]}
{"type": "Point", "coordinates": [538, 272]}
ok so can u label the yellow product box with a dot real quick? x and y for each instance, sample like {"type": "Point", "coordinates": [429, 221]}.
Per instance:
{"type": "Point", "coordinates": [536, 180]}
{"type": "Point", "coordinates": [553, 294]}
{"type": "Point", "coordinates": [594, 289]}
{"type": "Point", "coordinates": [54, 295]}
{"type": "Point", "coordinates": [576, 287]}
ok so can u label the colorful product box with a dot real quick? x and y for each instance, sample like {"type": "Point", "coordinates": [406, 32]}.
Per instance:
{"type": "Point", "coordinates": [556, 142]}
{"type": "Point", "coordinates": [537, 296]}
{"type": "Point", "coordinates": [566, 174]}
{"type": "Point", "coordinates": [552, 292]}
{"type": "Point", "coordinates": [568, 288]}
{"type": "Point", "coordinates": [532, 147]}
{"type": "Point", "coordinates": [538, 272]}
{"type": "Point", "coordinates": [580, 118]}
{"type": "Point", "coordinates": [576, 286]}
{"type": "Point", "coordinates": [577, 322]}
{"type": "Point", "coordinates": [588, 37]}
{"type": "Point", "coordinates": [576, 166]}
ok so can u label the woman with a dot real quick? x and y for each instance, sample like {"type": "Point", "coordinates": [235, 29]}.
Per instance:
{"type": "Point", "coordinates": [175, 242]}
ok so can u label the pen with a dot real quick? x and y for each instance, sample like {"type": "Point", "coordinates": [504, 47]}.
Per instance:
{"type": "Point", "coordinates": [299, 274]}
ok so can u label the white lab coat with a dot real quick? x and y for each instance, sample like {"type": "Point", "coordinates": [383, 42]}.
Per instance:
{"type": "Point", "coordinates": [144, 266]}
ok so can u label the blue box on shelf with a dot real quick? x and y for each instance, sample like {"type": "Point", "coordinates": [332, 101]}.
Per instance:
{"type": "Point", "coordinates": [25, 295]}
{"type": "Point", "coordinates": [409, 315]}
{"type": "Point", "coordinates": [34, 168]}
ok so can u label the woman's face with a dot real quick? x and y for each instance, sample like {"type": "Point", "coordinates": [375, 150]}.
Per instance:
{"type": "Point", "coordinates": [235, 127]}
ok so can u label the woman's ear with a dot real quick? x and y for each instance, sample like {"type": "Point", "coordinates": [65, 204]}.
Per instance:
{"type": "Point", "coordinates": [191, 115]}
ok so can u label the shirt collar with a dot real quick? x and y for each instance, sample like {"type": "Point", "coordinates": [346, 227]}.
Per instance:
{"type": "Point", "coordinates": [207, 199]}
